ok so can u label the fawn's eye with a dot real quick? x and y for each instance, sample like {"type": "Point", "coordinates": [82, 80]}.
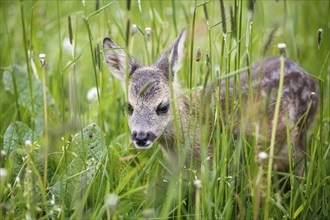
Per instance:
{"type": "Point", "coordinates": [162, 108]}
{"type": "Point", "coordinates": [128, 108]}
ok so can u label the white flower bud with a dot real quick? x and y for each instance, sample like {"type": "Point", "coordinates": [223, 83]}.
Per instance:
{"type": "Point", "coordinates": [111, 201]}
{"type": "Point", "coordinates": [134, 29]}
{"type": "Point", "coordinates": [28, 143]}
{"type": "Point", "coordinates": [92, 94]}
{"type": "Point", "coordinates": [148, 213]}
{"type": "Point", "coordinates": [148, 32]}
{"type": "Point", "coordinates": [282, 48]}
{"type": "Point", "coordinates": [42, 57]}
{"type": "Point", "coordinates": [3, 174]}
{"type": "Point", "coordinates": [198, 183]}
{"type": "Point", "coordinates": [2, 153]}
{"type": "Point", "coordinates": [263, 155]}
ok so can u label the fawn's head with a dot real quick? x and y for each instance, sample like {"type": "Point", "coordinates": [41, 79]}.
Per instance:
{"type": "Point", "coordinates": [149, 93]}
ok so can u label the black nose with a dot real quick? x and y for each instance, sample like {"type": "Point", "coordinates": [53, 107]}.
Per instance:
{"type": "Point", "coordinates": [141, 138]}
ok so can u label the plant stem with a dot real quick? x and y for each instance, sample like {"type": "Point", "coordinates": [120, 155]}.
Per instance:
{"type": "Point", "coordinates": [273, 136]}
{"type": "Point", "coordinates": [45, 121]}
{"type": "Point", "coordinates": [29, 73]}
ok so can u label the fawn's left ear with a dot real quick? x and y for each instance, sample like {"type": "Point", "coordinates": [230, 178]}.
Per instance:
{"type": "Point", "coordinates": [173, 55]}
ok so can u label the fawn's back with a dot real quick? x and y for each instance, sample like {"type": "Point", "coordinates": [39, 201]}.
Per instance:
{"type": "Point", "coordinates": [298, 104]}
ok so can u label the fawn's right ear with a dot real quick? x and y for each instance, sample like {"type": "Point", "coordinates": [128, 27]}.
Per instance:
{"type": "Point", "coordinates": [116, 59]}
{"type": "Point", "coordinates": [172, 57]}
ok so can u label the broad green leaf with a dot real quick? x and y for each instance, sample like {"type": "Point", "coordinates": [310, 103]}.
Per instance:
{"type": "Point", "coordinates": [16, 137]}
{"type": "Point", "coordinates": [24, 95]}
{"type": "Point", "coordinates": [89, 145]}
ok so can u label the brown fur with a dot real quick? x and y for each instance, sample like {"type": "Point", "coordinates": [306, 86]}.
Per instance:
{"type": "Point", "coordinates": [150, 87]}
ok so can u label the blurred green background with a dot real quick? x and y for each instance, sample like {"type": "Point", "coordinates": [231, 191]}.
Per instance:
{"type": "Point", "coordinates": [70, 34]}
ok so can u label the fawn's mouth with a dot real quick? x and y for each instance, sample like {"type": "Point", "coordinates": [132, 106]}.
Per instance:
{"type": "Point", "coordinates": [143, 145]}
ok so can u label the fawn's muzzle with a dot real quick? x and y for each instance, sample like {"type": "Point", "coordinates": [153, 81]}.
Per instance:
{"type": "Point", "coordinates": [143, 140]}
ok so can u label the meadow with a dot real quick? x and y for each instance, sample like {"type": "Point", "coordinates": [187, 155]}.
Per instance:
{"type": "Point", "coordinates": [66, 150]}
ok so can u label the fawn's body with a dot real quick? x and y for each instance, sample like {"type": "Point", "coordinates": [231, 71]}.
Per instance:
{"type": "Point", "coordinates": [151, 103]}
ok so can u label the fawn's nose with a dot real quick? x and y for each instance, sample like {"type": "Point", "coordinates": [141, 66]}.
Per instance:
{"type": "Point", "coordinates": [142, 139]}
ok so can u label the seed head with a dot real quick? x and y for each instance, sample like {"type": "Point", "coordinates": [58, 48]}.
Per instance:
{"type": "Point", "coordinates": [198, 54]}
{"type": "Point", "coordinates": [312, 95]}
{"type": "Point", "coordinates": [70, 30]}
{"type": "Point", "coordinates": [232, 23]}
{"type": "Point", "coordinates": [217, 69]}
{"type": "Point", "coordinates": [2, 154]}
{"type": "Point", "coordinates": [28, 143]}
{"type": "Point", "coordinates": [111, 201]}
{"type": "Point", "coordinates": [263, 155]}
{"type": "Point", "coordinates": [148, 213]}
{"type": "Point", "coordinates": [319, 37]}
{"type": "Point", "coordinates": [92, 94]}
{"type": "Point", "coordinates": [223, 17]}
{"type": "Point", "coordinates": [206, 13]}
{"type": "Point", "coordinates": [282, 48]}
{"type": "Point", "coordinates": [52, 201]}
{"type": "Point", "coordinates": [134, 29]}
{"type": "Point", "coordinates": [198, 183]}
{"type": "Point", "coordinates": [148, 32]}
{"type": "Point", "coordinates": [208, 57]}
{"type": "Point", "coordinates": [270, 38]}
{"type": "Point", "coordinates": [3, 174]}
{"type": "Point", "coordinates": [42, 57]}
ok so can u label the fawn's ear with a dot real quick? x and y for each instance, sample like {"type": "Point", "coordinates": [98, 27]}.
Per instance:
{"type": "Point", "coordinates": [173, 55]}
{"type": "Point", "coordinates": [116, 59]}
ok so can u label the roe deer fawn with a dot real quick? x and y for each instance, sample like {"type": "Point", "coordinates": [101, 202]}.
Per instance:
{"type": "Point", "coordinates": [153, 91]}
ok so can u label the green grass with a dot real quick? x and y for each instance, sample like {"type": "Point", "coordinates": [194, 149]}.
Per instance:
{"type": "Point", "coordinates": [78, 161]}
